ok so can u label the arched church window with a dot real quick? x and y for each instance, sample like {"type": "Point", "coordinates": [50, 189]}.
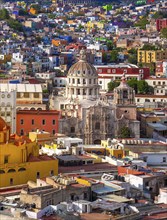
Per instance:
{"type": "Point", "coordinates": [125, 94]}
{"type": "Point", "coordinates": [97, 126]}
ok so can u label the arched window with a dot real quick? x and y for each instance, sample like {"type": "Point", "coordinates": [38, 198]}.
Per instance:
{"type": "Point", "coordinates": [2, 171]}
{"type": "Point", "coordinates": [97, 126]}
{"type": "Point", "coordinates": [11, 171]}
{"type": "Point", "coordinates": [125, 94]}
{"type": "Point", "coordinates": [21, 169]}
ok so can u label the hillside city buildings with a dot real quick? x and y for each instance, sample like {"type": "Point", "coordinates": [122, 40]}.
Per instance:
{"type": "Point", "coordinates": [83, 109]}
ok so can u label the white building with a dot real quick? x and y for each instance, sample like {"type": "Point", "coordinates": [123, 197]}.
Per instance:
{"type": "Point", "coordinates": [45, 75]}
{"type": "Point", "coordinates": [162, 197]}
{"type": "Point", "coordinates": [159, 85]}
{"type": "Point", "coordinates": [8, 107]}
{"type": "Point", "coordinates": [142, 99]}
{"type": "Point", "coordinates": [28, 96]}
{"type": "Point", "coordinates": [155, 158]}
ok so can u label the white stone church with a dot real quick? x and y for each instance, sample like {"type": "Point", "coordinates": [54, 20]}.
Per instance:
{"type": "Point", "coordinates": [88, 115]}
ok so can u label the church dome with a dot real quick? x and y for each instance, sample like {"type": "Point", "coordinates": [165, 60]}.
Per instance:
{"type": "Point", "coordinates": [82, 80]}
{"type": "Point", "coordinates": [82, 67]}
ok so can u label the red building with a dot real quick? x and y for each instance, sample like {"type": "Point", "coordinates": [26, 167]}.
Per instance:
{"type": "Point", "coordinates": [161, 23]}
{"type": "Point", "coordinates": [31, 120]}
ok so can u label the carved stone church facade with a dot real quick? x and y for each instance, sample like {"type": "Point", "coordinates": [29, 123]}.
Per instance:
{"type": "Point", "coordinates": [87, 115]}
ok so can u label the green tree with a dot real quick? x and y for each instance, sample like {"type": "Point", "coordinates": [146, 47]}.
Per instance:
{"type": "Point", "coordinates": [15, 24]}
{"type": "Point", "coordinates": [124, 132]}
{"type": "Point", "coordinates": [80, 27]}
{"type": "Point", "coordinates": [4, 14]}
{"type": "Point", "coordinates": [132, 58]}
{"type": "Point", "coordinates": [142, 23]}
{"type": "Point", "coordinates": [112, 85]}
{"type": "Point", "coordinates": [164, 32]}
{"type": "Point", "coordinates": [134, 84]}
{"type": "Point", "coordinates": [143, 87]}
{"type": "Point", "coordinates": [110, 45]}
{"type": "Point", "coordinates": [149, 47]}
{"type": "Point", "coordinates": [114, 56]}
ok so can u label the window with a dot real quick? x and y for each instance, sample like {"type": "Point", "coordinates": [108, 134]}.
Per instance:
{"type": "Point", "coordinates": [53, 122]}
{"type": "Point", "coordinates": [125, 94]}
{"type": "Point", "coordinates": [52, 172]}
{"type": "Point", "coordinates": [21, 132]}
{"type": "Point", "coordinates": [62, 106]}
{"type": "Point", "coordinates": [84, 81]}
{"type": "Point", "coordinates": [72, 129]}
{"type": "Point", "coordinates": [100, 82]}
{"type": "Point", "coordinates": [154, 83]}
{"type": "Point", "coordinates": [72, 197]}
{"type": "Point", "coordinates": [21, 169]}
{"type": "Point", "coordinates": [8, 114]}
{"type": "Point", "coordinates": [21, 121]}
{"type": "Point", "coordinates": [11, 181]}
{"type": "Point", "coordinates": [85, 195]}
{"type": "Point", "coordinates": [145, 159]}
{"type": "Point", "coordinates": [164, 160]}
{"type": "Point", "coordinates": [73, 80]}
{"type": "Point", "coordinates": [32, 121]}
{"type": "Point", "coordinates": [90, 81]}
{"type": "Point", "coordinates": [38, 175]}
{"type": "Point", "coordinates": [6, 158]}
{"type": "Point", "coordinates": [53, 131]}
{"type": "Point", "coordinates": [78, 81]}
{"type": "Point", "coordinates": [18, 95]}
{"type": "Point", "coordinates": [36, 95]}
{"type": "Point", "coordinates": [26, 95]}
{"type": "Point", "coordinates": [138, 100]}
{"type": "Point", "coordinates": [2, 114]}
{"type": "Point", "coordinates": [43, 121]}
{"type": "Point", "coordinates": [97, 126]}
{"type": "Point", "coordinates": [11, 171]}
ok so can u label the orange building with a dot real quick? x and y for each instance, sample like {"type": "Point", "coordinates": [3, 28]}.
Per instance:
{"type": "Point", "coordinates": [59, 42]}
{"type": "Point", "coordinates": [31, 120]}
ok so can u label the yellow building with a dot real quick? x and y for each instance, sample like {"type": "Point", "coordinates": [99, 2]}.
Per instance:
{"type": "Point", "coordinates": [114, 149]}
{"type": "Point", "coordinates": [151, 56]}
{"type": "Point", "coordinates": [20, 160]}
{"type": "Point", "coordinates": [5, 58]}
